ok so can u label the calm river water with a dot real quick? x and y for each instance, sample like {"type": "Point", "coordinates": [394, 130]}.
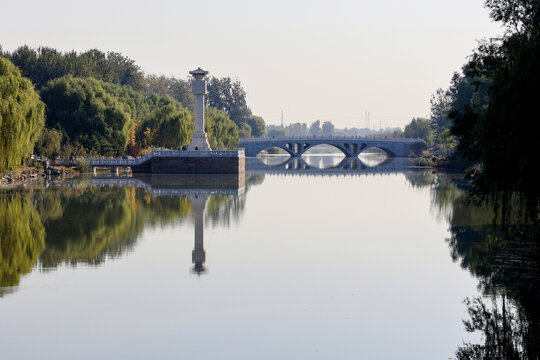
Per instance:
{"type": "Point", "coordinates": [312, 259]}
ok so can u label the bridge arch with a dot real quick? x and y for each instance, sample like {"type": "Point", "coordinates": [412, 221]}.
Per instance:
{"type": "Point", "coordinates": [307, 149]}
{"type": "Point", "coordinates": [385, 150]}
{"type": "Point", "coordinates": [260, 149]}
{"type": "Point", "coordinates": [351, 147]}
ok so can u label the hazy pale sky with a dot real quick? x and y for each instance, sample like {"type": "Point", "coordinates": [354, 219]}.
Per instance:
{"type": "Point", "coordinates": [327, 60]}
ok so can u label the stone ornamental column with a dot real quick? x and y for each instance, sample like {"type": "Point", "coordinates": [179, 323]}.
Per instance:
{"type": "Point", "coordinates": [199, 141]}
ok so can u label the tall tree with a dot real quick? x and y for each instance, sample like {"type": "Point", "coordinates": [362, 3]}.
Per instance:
{"type": "Point", "coordinates": [419, 128]}
{"type": "Point", "coordinates": [169, 124]}
{"type": "Point", "coordinates": [229, 96]}
{"type": "Point", "coordinates": [501, 135]}
{"type": "Point", "coordinates": [44, 64]}
{"type": "Point", "coordinates": [222, 131]}
{"type": "Point", "coordinates": [328, 128]}
{"type": "Point", "coordinates": [315, 128]}
{"type": "Point", "coordinates": [21, 116]}
{"type": "Point", "coordinates": [178, 89]}
{"type": "Point", "coordinates": [81, 109]}
{"type": "Point", "coordinates": [256, 123]}
{"type": "Point", "coordinates": [49, 142]}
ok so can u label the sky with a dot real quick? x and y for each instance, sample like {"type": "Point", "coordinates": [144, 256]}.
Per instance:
{"type": "Point", "coordinates": [328, 60]}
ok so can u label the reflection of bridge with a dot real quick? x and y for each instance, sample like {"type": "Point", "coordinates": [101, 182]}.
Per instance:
{"type": "Point", "coordinates": [350, 146]}
{"type": "Point", "coordinates": [347, 166]}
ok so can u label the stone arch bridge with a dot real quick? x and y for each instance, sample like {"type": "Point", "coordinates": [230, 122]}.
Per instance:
{"type": "Point", "coordinates": [350, 146]}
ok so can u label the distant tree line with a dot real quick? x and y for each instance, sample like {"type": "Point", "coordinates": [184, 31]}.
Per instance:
{"type": "Point", "coordinates": [96, 103]}
{"type": "Point", "coordinates": [326, 128]}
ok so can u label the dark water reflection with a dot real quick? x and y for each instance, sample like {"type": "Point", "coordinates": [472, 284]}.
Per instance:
{"type": "Point", "coordinates": [499, 245]}
{"type": "Point", "coordinates": [88, 221]}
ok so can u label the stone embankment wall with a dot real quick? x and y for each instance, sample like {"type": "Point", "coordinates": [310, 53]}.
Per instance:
{"type": "Point", "coordinates": [191, 165]}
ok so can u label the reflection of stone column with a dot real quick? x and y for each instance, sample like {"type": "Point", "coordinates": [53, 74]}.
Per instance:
{"type": "Point", "coordinates": [198, 256]}
{"type": "Point", "coordinates": [199, 141]}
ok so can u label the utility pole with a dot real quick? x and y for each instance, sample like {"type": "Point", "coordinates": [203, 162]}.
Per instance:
{"type": "Point", "coordinates": [281, 118]}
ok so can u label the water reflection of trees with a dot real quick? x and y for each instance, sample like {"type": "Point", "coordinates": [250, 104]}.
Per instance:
{"type": "Point", "coordinates": [222, 210]}
{"type": "Point", "coordinates": [85, 224]}
{"type": "Point", "coordinates": [77, 223]}
{"type": "Point", "coordinates": [22, 238]}
{"type": "Point", "coordinates": [497, 242]}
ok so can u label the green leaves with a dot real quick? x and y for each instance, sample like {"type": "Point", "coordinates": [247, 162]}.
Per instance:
{"type": "Point", "coordinates": [21, 116]}
{"type": "Point", "coordinates": [169, 124]}
{"type": "Point", "coordinates": [419, 128]}
{"type": "Point", "coordinates": [83, 109]}
{"type": "Point", "coordinates": [222, 131]}
{"type": "Point", "coordinates": [44, 64]}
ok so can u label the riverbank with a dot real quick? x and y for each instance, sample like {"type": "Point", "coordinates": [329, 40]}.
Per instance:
{"type": "Point", "coordinates": [443, 160]}
{"type": "Point", "coordinates": [31, 173]}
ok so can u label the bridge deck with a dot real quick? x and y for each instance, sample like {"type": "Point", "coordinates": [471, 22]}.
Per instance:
{"type": "Point", "coordinates": [350, 146]}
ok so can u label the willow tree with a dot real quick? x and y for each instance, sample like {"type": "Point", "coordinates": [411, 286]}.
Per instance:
{"type": "Point", "coordinates": [169, 124]}
{"type": "Point", "coordinates": [22, 238]}
{"type": "Point", "coordinates": [85, 112]}
{"type": "Point", "coordinates": [222, 131]}
{"type": "Point", "coordinates": [21, 116]}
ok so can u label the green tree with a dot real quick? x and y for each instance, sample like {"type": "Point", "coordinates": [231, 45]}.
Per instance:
{"type": "Point", "coordinates": [21, 116]}
{"type": "Point", "coordinates": [49, 143]}
{"type": "Point", "coordinates": [419, 128]}
{"type": "Point", "coordinates": [446, 141]}
{"type": "Point", "coordinates": [257, 125]}
{"type": "Point", "coordinates": [501, 134]}
{"type": "Point", "coordinates": [22, 238]}
{"type": "Point", "coordinates": [244, 130]}
{"type": "Point", "coordinates": [169, 124]}
{"type": "Point", "coordinates": [44, 64]}
{"type": "Point", "coordinates": [82, 109]}
{"type": "Point", "coordinates": [222, 131]}
{"type": "Point", "coordinates": [229, 96]}
{"type": "Point", "coordinates": [178, 89]}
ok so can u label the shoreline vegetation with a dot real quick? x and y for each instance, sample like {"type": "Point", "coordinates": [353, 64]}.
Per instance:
{"type": "Point", "coordinates": [56, 104]}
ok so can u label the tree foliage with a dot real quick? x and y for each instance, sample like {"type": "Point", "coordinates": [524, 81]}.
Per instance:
{"type": "Point", "coordinates": [169, 124]}
{"type": "Point", "coordinates": [328, 128]}
{"type": "Point", "coordinates": [178, 89]}
{"type": "Point", "coordinates": [499, 129]}
{"type": "Point", "coordinates": [419, 128]}
{"type": "Point", "coordinates": [44, 64]}
{"type": "Point", "coordinates": [315, 128]}
{"type": "Point", "coordinates": [22, 238]}
{"type": "Point", "coordinates": [222, 131]}
{"type": "Point", "coordinates": [257, 125]}
{"type": "Point", "coordinates": [103, 104]}
{"type": "Point", "coordinates": [21, 116]}
{"type": "Point", "coordinates": [229, 96]}
{"type": "Point", "coordinates": [87, 114]}
{"type": "Point", "coordinates": [49, 143]}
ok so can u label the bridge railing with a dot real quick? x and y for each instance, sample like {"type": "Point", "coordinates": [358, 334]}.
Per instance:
{"type": "Point", "coordinates": [327, 138]}
{"type": "Point", "coordinates": [161, 152]}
